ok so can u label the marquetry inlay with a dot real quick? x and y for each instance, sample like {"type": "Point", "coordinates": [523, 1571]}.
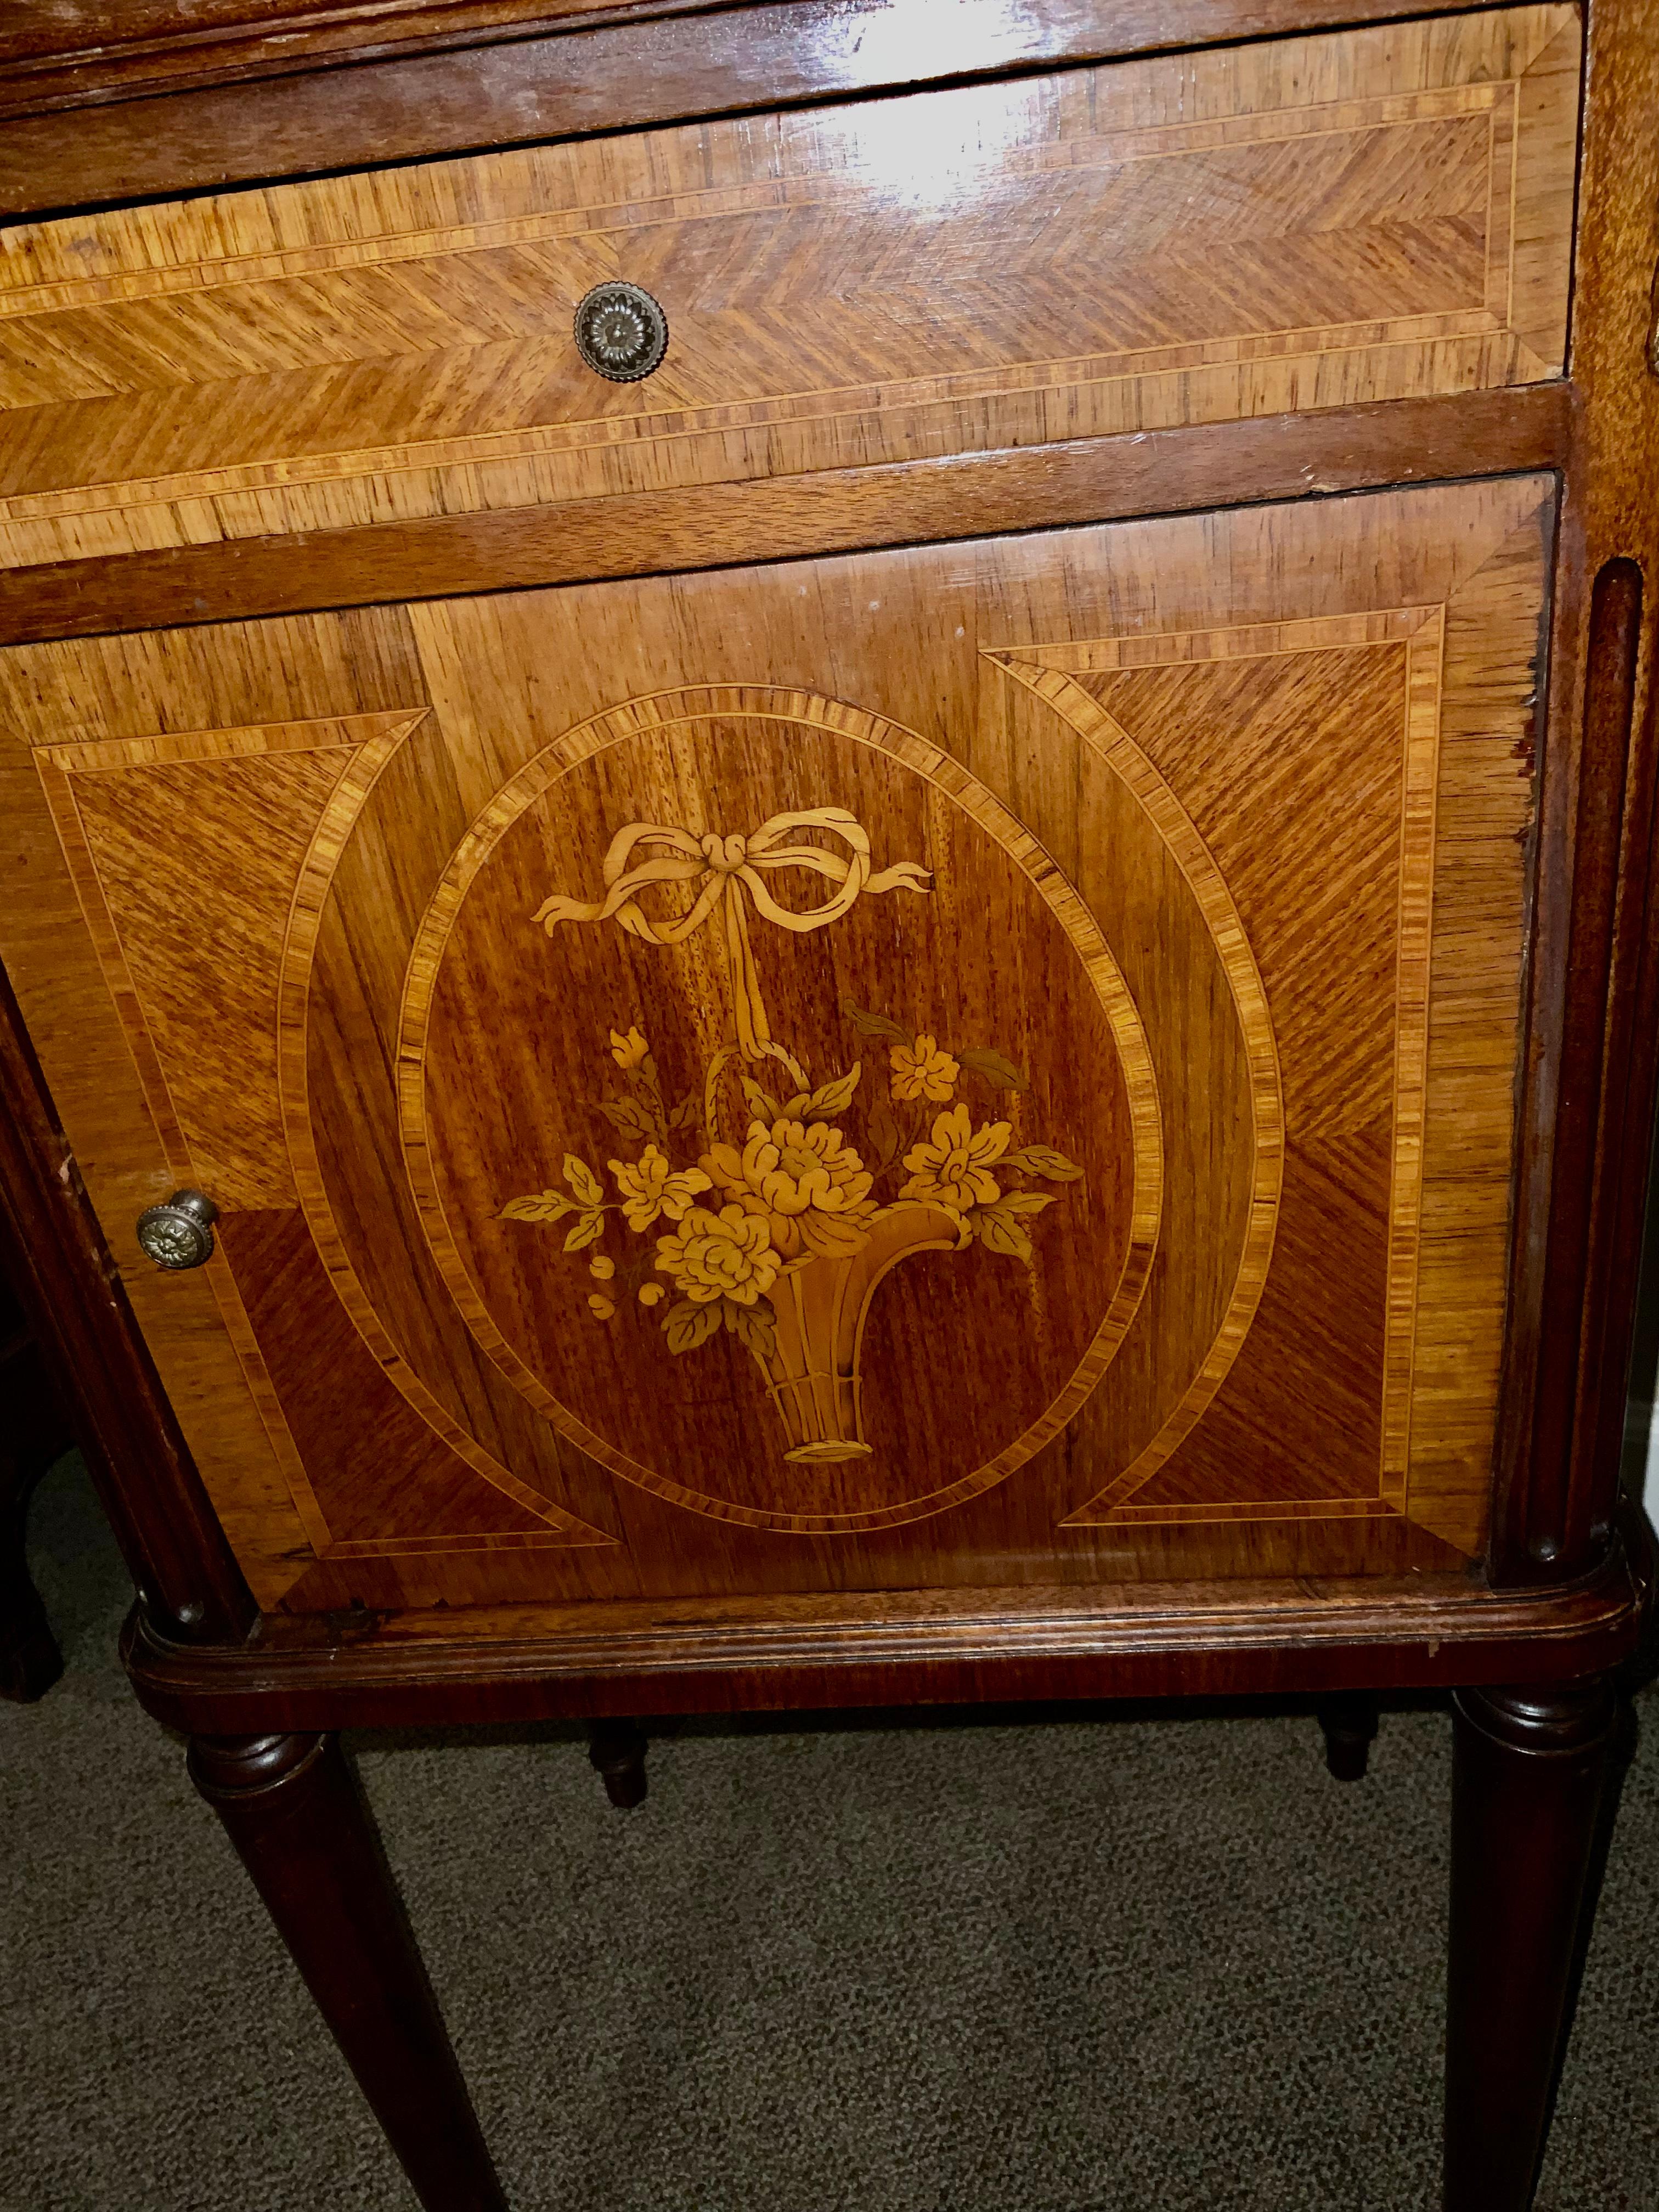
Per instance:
{"type": "Point", "coordinates": [940, 1058]}
{"type": "Point", "coordinates": [1358, 216]}
{"type": "Point", "coordinates": [973, 1061]}
{"type": "Point", "coordinates": [1059, 676]}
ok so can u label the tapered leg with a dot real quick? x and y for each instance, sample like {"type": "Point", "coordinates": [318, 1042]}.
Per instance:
{"type": "Point", "coordinates": [30, 1662]}
{"type": "Point", "coordinates": [293, 1808]}
{"type": "Point", "coordinates": [1348, 1718]}
{"type": "Point", "coordinates": [32, 1436]}
{"type": "Point", "coordinates": [1528, 1773]}
{"type": "Point", "coordinates": [616, 1749]}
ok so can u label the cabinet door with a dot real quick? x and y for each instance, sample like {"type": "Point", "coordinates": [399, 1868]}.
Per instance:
{"type": "Point", "coordinates": [986, 1063]}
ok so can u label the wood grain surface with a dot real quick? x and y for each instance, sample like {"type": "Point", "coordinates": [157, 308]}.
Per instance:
{"type": "Point", "coordinates": [1400, 441]}
{"type": "Point", "coordinates": [67, 53]}
{"type": "Point", "coordinates": [58, 1267]}
{"type": "Point", "coordinates": [61, 54]}
{"type": "Point", "coordinates": [1370, 215]}
{"type": "Point", "coordinates": [310, 105]}
{"type": "Point", "coordinates": [1184, 853]}
{"type": "Point", "coordinates": [1239, 1637]}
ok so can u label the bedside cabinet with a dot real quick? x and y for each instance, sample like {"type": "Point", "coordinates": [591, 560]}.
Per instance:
{"type": "Point", "coordinates": [826, 881]}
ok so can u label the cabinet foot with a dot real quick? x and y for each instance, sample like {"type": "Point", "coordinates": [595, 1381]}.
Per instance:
{"type": "Point", "coordinates": [1348, 1720]}
{"type": "Point", "coordinates": [616, 1749]}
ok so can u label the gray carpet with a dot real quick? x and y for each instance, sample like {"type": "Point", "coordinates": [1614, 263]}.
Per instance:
{"type": "Point", "coordinates": [991, 1964]}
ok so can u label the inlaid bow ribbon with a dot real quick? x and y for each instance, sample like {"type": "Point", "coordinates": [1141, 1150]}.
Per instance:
{"type": "Point", "coordinates": [729, 872]}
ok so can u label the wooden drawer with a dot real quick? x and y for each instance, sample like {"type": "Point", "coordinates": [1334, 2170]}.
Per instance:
{"type": "Point", "coordinates": [1356, 216]}
{"type": "Point", "coordinates": [983, 1063]}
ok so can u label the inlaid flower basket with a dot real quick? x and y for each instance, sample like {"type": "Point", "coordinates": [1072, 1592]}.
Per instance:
{"type": "Point", "coordinates": [784, 1237]}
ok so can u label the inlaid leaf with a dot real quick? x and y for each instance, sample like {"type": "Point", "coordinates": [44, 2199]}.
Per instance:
{"type": "Point", "coordinates": [761, 1103]}
{"type": "Point", "coordinates": [630, 1119]}
{"type": "Point", "coordinates": [1043, 1160]}
{"type": "Point", "coordinates": [686, 1325]}
{"type": "Point", "coordinates": [829, 1099]}
{"type": "Point", "coordinates": [1001, 1074]}
{"type": "Point", "coordinates": [999, 1230]}
{"type": "Point", "coordinates": [587, 1231]}
{"type": "Point", "coordinates": [583, 1181]}
{"type": "Point", "coordinates": [541, 1206]}
{"type": "Point", "coordinates": [755, 1326]}
{"type": "Point", "coordinates": [876, 1025]}
{"type": "Point", "coordinates": [687, 1114]}
{"type": "Point", "coordinates": [1022, 1201]}
{"type": "Point", "coordinates": [883, 1135]}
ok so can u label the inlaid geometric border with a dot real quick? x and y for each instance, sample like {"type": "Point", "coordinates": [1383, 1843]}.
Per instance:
{"type": "Point", "coordinates": [664, 711]}
{"type": "Point", "coordinates": [339, 817]}
{"type": "Point", "coordinates": [1485, 318]}
{"type": "Point", "coordinates": [1046, 671]}
{"type": "Point", "coordinates": [365, 742]}
{"type": "Point", "coordinates": [1221, 374]}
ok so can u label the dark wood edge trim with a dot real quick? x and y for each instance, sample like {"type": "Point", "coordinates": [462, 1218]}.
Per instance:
{"type": "Point", "coordinates": [1615, 625]}
{"type": "Point", "coordinates": [1609, 1375]}
{"type": "Point", "coordinates": [80, 58]}
{"type": "Point", "coordinates": [61, 1270]}
{"type": "Point", "coordinates": [1588, 1070]}
{"type": "Point", "coordinates": [350, 114]}
{"type": "Point", "coordinates": [1203, 467]}
{"type": "Point", "coordinates": [908, 1648]}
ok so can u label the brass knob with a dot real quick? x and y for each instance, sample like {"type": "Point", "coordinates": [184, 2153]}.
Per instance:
{"type": "Point", "coordinates": [621, 332]}
{"type": "Point", "coordinates": [180, 1233]}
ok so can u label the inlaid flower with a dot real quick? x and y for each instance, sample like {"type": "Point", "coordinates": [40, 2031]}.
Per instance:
{"type": "Point", "coordinates": [601, 1307]}
{"type": "Point", "coordinates": [950, 1167]}
{"type": "Point", "coordinates": [652, 1294]}
{"type": "Point", "coordinates": [726, 1254]}
{"type": "Point", "coordinates": [799, 1167]}
{"type": "Point", "coordinates": [724, 1164]}
{"type": "Point", "coordinates": [654, 1187]}
{"type": "Point", "coordinates": [628, 1051]}
{"type": "Point", "coordinates": [922, 1070]}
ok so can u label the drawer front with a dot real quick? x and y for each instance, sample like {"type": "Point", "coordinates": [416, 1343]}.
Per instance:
{"type": "Point", "coordinates": [1192, 237]}
{"type": "Point", "coordinates": [991, 1062]}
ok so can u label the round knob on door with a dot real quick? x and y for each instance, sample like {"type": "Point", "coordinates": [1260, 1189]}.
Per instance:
{"type": "Point", "coordinates": [180, 1233]}
{"type": "Point", "coordinates": [621, 332]}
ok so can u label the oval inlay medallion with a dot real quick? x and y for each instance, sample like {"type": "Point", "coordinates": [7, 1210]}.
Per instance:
{"type": "Point", "coordinates": [776, 1113]}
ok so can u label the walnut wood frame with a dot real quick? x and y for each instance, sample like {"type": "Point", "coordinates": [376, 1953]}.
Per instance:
{"type": "Point", "coordinates": [168, 105]}
{"type": "Point", "coordinates": [1567, 1577]}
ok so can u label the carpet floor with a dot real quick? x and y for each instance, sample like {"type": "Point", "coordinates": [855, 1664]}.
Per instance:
{"type": "Point", "coordinates": [981, 1963]}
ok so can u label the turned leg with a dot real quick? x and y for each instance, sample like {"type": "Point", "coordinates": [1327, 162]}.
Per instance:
{"type": "Point", "coordinates": [293, 1808]}
{"type": "Point", "coordinates": [1528, 1771]}
{"type": "Point", "coordinates": [616, 1749]}
{"type": "Point", "coordinates": [32, 1436]}
{"type": "Point", "coordinates": [30, 1662]}
{"type": "Point", "coordinates": [1348, 1718]}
